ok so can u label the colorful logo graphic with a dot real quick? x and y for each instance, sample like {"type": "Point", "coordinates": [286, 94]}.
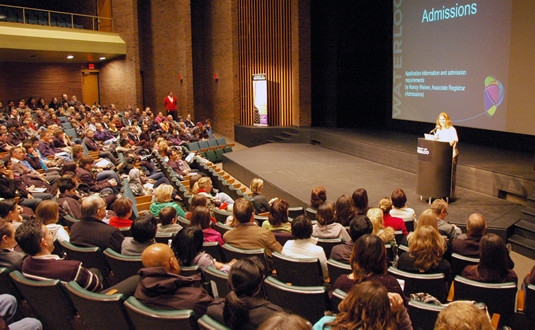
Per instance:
{"type": "Point", "coordinates": [493, 95]}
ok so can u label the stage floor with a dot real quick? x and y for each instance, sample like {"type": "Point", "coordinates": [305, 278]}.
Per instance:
{"type": "Point", "coordinates": [291, 171]}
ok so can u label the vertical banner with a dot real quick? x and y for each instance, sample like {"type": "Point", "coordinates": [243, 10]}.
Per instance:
{"type": "Point", "coordinates": [260, 99]}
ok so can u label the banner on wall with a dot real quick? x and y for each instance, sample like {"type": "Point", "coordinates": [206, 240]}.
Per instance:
{"type": "Point", "coordinates": [260, 99]}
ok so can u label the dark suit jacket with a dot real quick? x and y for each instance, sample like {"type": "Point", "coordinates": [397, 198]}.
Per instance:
{"type": "Point", "coordinates": [93, 232]}
{"type": "Point", "coordinates": [87, 177]}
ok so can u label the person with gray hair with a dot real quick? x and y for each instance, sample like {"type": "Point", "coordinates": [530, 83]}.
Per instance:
{"type": "Point", "coordinates": [91, 231]}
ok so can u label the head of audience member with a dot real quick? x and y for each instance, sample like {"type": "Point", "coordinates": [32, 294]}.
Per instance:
{"type": "Point", "coordinates": [325, 214]}
{"type": "Point", "coordinates": [368, 257]}
{"type": "Point", "coordinates": [283, 321]}
{"type": "Point", "coordinates": [187, 244]}
{"type": "Point", "coordinates": [302, 227]}
{"type": "Point", "coordinates": [427, 246]}
{"type": "Point", "coordinates": [278, 212]}
{"type": "Point", "coordinates": [204, 184]}
{"type": "Point", "coordinates": [144, 229]}
{"type": "Point", "coordinates": [245, 280]}
{"type": "Point", "coordinates": [201, 217]}
{"type": "Point", "coordinates": [9, 210]}
{"type": "Point", "coordinates": [476, 225]}
{"type": "Point", "coordinates": [385, 204]}
{"type": "Point", "coordinates": [17, 153]}
{"type": "Point", "coordinates": [78, 151]}
{"type": "Point", "coordinates": [47, 212]}
{"type": "Point", "coordinates": [90, 133]}
{"type": "Point", "coordinates": [376, 217]}
{"type": "Point", "coordinates": [359, 226]}
{"type": "Point", "coordinates": [257, 185]}
{"type": "Point", "coordinates": [462, 315]}
{"type": "Point", "coordinates": [123, 207]}
{"type": "Point", "coordinates": [168, 216]}
{"type": "Point", "coordinates": [94, 207]}
{"type": "Point", "coordinates": [66, 186]}
{"type": "Point", "coordinates": [86, 162]}
{"type": "Point", "coordinates": [366, 306]}
{"type": "Point", "coordinates": [427, 218]}
{"type": "Point", "coordinates": [34, 238]}
{"type": "Point", "coordinates": [243, 210]}
{"type": "Point", "coordinates": [160, 255]}
{"type": "Point", "coordinates": [344, 210]}
{"type": "Point", "coordinates": [440, 207]}
{"type": "Point", "coordinates": [360, 200]}
{"type": "Point", "coordinates": [399, 199]}
{"type": "Point", "coordinates": [492, 266]}
{"type": "Point", "coordinates": [318, 197]}
{"type": "Point", "coordinates": [7, 234]}
{"type": "Point", "coordinates": [198, 200]}
{"type": "Point", "coordinates": [163, 194]}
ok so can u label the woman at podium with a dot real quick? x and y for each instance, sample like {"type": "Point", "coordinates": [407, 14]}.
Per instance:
{"type": "Point", "coordinates": [445, 132]}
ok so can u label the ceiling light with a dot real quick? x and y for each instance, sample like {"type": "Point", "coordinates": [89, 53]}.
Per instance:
{"type": "Point", "coordinates": [102, 58]}
{"type": "Point", "coordinates": [70, 57]}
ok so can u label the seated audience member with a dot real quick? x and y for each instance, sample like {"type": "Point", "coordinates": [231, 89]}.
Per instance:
{"type": "Point", "coordinates": [10, 210]}
{"type": "Point", "coordinates": [143, 233]}
{"type": "Point", "coordinates": [368, 306]}
{"type": "Point", "coordinates": [318, 196]}
{"type": "Point", "coordinates": [180, 166]}
{"type": "Point", "coordinates": [247, 235]}
{"type": "Point", "coordinates": [163, 197]}
{"type": "Point", "coordinates": [25, 170]}
{"type": "Point", "coordinates": [278, 217]}
{"type": "Point", "coordinates": [68, 201]}
{"type": "Point", "coordinates": [92, 145]}
{"type": "Point", "coordinates": [440, 207]}
{"type": "Point", "coordinates": [102, 134]}
{"type": "Point", "coordinates": [168, 221]}
{"type": "Point", "coordinates": [123, 210]}
{"type": "Point", "coordinates": [399, 206]}
{"type": "Point", "coordinates": [326, 227]}
{"type": "Point", "coordinates": [463, 315]}
{"type": "Point", "coordinates": [47, 148]}
{"type": "Point", "coordinates": [358, 226]}
{"type": "Point", "coordinates": [35, 239]}
{"type": "Point", "coordinates": [5, 145]}
{"type": "Point", "coordinates": [91, 231]}
{"type": "Point", "coordinates": [360, 201]}
{"type": "Point", "coordinates": [385, 234]}
{"type": "Point", "coordinates": [385, 204]}
{"type": "Point", "coordinates": [11, 187]}
{"type": "Point", "coordinates": [84, 173]}
{"type": "Point", "coordinates": [260, 201]}
{"type": "Point", "coordinates": [344, 210]}
{"type": "Point", "coordinates": [283, 321]}
{"type": "Point", "coordinates": [8, 310]}
{"type": "Point", "coordinates": [368, 263]}
{"type": "Point", "coordinates": [135, 184]}
{"type": "Point", "coordinates": [204, 186]}
{"type": "Point", "coordinates": [244, 307]}
{"type": "Point", "coordinates": [162, 287]}
{"type": "Point", "coordinates": [426, 251]}
{"type": "Point", "coordinates": [9, 258]}
{"type": "Point", "coordinates": [201, 218]}
{"type": "Point", "coordinates": [187, 245]}
{"type": "Point", "coordinates": [48, 213]}
{"type": "Point", "coordinates": [492, 266]}
{"type": "Point", "coordinates": [198, 200]}
{"type": "Point", "coordinates": [304, 245]}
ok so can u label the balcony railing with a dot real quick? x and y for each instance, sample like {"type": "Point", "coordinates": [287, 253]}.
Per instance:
{"type": "Point", "coordinates": [34, 16]}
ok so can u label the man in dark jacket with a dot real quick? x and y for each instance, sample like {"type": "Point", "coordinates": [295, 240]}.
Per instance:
{"type": "Point", "coordinates": [161, 286]}
{"type": "Point", "coordinates": [69, 203]}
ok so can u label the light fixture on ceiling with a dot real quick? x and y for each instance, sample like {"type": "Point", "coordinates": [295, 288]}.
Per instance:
{"type": "Point", "coordinates": [102, 58]}
{"type": "Point", "coordinates": [70, 57]}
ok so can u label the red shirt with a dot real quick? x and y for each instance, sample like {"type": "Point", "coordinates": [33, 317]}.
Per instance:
{"type": "Point", "coordinates": [120, 223]}
{"type": "Point", "coordinates": [396, 223]}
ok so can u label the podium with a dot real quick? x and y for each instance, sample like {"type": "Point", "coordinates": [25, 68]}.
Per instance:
{"type": "Point", "coordinates": [434, 169]}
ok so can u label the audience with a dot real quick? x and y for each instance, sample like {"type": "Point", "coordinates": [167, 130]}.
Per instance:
{"type": "Point", "coordinates": [261, 203]}
{"type": "Point", "coordinates": [385, 204]}
{"type": "Point", "coordinates": [385, 234]}
{"type": "Point", "coordinates": [143, 233]}
{"type": "Point", "coordinates": [359, 226]}
{"type": "Point", "coordinates": [318, 197]}
{"type": "Point", "coordinates": [48, 213]}
{"type": "Point", "coordinates": [9, 258]}
{"type": "Point", "coordinates": [201, 218]}
{"type": "Point", "coordinates": [463, 315]}
{"type": "Point", "coordinates": [168, 221]}
{"type": "Point", "coordinates": [399, 206]}
{"type": "Point", "coordinates": [360, 201]}
{"type": "Point", "coordinates": [68, 200]}
{"type": "Point", "coordinates": [344, 210]}
{"type": "Point", "coordinates": [440, 207]}
{"type": "Point", "coordinates": [278, 217]}
{"type": "Point", "coordinates": [163, 197]}
{"type": "Point", "coordinates": [123, 211]}
{"type": "Point", "coordinates": [326, 227]}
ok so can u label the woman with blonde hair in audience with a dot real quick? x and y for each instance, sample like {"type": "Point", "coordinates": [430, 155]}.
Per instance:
{"type": "Point", "coordinates": [278, 217]}
{"type": "Point", "coordinates": [260, 201]}
{"type": "Point", "coordinates": [317, 197]}
{"type": "Point", "coordinates": [48, 213]}
{"type": "Point", "coordinates": [204, 186]}
{"type": "Point", "coordinates": [344, 210]}
{"type": "Point", "coordinates": [385, 204]}
{"type": "Point", "coordinates": [326, 227]}
{"type": "Point", "coordinates": [163, 197]}
{"type": "Point", "coordinates": [385, 234]}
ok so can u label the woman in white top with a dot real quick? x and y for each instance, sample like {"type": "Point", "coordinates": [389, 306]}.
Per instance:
{"type": "Point", "coordinates": [399, 206]}
{"type": "Point", "coordinates": [304, 246]}
{"type": "Point", "coordinates": [48, 213]}
{"type": "Point", "coordinates": [447, 133]}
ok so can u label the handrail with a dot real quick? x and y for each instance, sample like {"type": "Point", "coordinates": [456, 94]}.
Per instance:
{"type": "Point", "coordinates": [72, 17]}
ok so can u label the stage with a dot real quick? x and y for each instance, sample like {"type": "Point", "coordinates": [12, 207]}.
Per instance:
{"type": "Point", "coordinates": [344, 160]}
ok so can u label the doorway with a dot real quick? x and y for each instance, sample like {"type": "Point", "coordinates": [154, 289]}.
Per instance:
{"type": "Point", "coordinates": [90, 90]}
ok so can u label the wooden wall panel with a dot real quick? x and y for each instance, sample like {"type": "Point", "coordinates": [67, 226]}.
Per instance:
{"type": "Point", "coordinates": [264, 46]}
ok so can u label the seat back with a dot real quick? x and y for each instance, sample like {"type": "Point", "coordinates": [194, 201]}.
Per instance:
{"type": "Point", "coordinates": [71, 132]}
{"type": "Point", "coordinates": [328, 243]}
{"type": "Point", "coordinates": [214, 249]}
{"type": "Point", "coordinates": [91, 257]}
{"type": "Point", "coordinates": [122, 266]}
{"type": "Point", "coordinates": [529, 305]}
{"type": "Point", "coordinates": [338, 296]}
{"type": "Point", "coordinates": [99, 311]}
{"type": "Point", "coordinates": [218, 282]}
{"type": "Point", "coordinates": [70, 220]}
{"type": "Point", "coordinates": [221, 216]}
{"type": "Point", "coordinates": [7, 285]}
{"type": "Point", "coordinates": [56, 311]}
{"type": "Point", "coordinates": [163, 237]}
{"type": "Point", "coordinates": [459, 263]}
{"type": "Point", "coordinates": [309, 302]}
{"type": "Point", "coordinates": [499, 297]}
{"type": "Point", "coordinates": [144, 317]}
{"type": "Point", "coordinates": [183, 222]}
{"type": "Point", "coordinates": [232, 252]}
{"type": "Point", "coordinates": [311, 213]}
{"type": "Point", "coordinates": [294, 212]}
{"type": "Point", "coordinates": [434, 284]}
{"type": "Point", "coordinates": [208, 323]}
{"type": "Point", "coordinates": [424, 316]}
{"type": "Point", "coordinates": [337, 268]}
{"type": "Point", "coordinates": [190, 270]}
{"type": "Point", "coordinates": [282, 237]}
{"type": "Point", "coordinates": [298, 271]}
{"type": "Point", "coordinates": [222, 228]}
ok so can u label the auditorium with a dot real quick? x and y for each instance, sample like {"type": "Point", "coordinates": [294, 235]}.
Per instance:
{"type": "Point", "coordinates": [251, 164]}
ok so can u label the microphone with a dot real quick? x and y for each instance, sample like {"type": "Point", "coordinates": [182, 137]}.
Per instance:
{"type": "Point", "coordinates": [433, 131]}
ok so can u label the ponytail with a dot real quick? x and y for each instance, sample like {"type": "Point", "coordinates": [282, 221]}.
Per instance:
{"type": "Point", "coordinates": [236, 311]}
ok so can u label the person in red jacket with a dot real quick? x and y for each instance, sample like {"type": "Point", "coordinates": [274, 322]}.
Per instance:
{"type": "Point", "coordinates": [170, 105]}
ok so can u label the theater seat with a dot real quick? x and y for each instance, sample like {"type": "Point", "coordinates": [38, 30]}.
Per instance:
{"type": "Point", "coordinates": [144, 317]}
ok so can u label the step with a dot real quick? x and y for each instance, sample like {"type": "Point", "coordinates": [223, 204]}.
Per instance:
{"type": "Point", "coordinates": [529, 211]}
{"type": "Point", "coordinates": [525, 229]}
{"type": "Point", "coordinates": [531, 200]}
{"type": "Point", "coordinates": [279, 138]}
{"type": "Point", "coordinates": [270, 141]}
{"type": "Point", "coordinates": [522, 245]}
{"type": "Point", "coordinates": [289, 134]}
